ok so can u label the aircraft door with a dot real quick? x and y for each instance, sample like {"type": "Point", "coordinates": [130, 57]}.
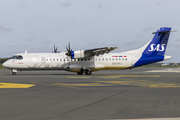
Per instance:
{"type": "Point", "coordinates": [131, 59]}
{"type": "Point", "coordinates": [33, 61]}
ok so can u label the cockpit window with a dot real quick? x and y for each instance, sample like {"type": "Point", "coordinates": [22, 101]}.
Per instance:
{"type": "Point", "coordinates": [14, 57]}
{"type": "Point", "coordinates": [19, 57]}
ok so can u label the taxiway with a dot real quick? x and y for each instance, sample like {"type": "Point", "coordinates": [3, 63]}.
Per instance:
{"type": "Point", "coordinates": [118, 94]}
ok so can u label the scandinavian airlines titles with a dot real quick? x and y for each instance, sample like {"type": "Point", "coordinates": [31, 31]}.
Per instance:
{"type": "Point", "coordinates": [157, 47]}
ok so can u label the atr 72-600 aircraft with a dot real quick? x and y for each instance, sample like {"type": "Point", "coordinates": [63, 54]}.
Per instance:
{"type": "Point", "coordinates": [86, 61]}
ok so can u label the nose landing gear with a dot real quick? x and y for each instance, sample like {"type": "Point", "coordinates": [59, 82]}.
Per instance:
{"type": "Point", "coordinates": [14, 72]}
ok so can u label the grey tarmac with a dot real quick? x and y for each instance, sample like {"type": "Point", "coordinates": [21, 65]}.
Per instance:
{"type": "Point", "coordinates": [104, 95]}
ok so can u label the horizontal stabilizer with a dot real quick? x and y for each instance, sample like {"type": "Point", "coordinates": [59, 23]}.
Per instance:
{"type": "Point", "coordinates": [164, 31]}
{"type": "Point", "coordinates": [167, 57]}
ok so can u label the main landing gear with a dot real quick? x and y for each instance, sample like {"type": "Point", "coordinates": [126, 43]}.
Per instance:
{"type": "Point", "coordinates": [87, 72]}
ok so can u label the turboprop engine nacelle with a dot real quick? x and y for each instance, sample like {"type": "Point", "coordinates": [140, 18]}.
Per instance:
{"type": "Point", "coordinates": [79, 54]}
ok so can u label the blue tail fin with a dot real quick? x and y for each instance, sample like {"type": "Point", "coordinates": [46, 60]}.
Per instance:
{"type": "Point", "coordinates": [158, 44]}
{"type": "Point", "coordinates": [155, 50]}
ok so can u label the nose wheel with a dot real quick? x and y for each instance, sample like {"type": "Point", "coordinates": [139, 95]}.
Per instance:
{"type": "Point", "coordinates": [14, 72]}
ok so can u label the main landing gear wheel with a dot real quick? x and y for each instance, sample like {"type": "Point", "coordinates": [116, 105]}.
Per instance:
{"type": "Point", "coordinates": [81, 72]}
{"type": "Point", "coordinates": [88, 72]}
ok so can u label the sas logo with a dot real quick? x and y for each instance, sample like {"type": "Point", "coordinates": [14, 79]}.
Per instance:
{"type": "Point", "coordinates": [157, 48]}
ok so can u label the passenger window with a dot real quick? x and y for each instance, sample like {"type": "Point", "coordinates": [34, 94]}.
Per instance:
{"type": "Point", "coordinates": [99, 59]}
{"type": "Point", "coordinates": [109, 59]}
{"type": "Point", "coordinates": [50, 59]}
{"type": "Point", "coordinates": [106, 59]}
{"type": "Point", "coordinates": [116, 59]}
{"type": "Point", "coordinates": [112, 59]}
{"type": "Point", "coordinates": [119, 59]}
{"type": "Point", "coordinates": [126, 59]}
{"type": "Point", "coordinates": [46, 59]}
{"type": "Point", "coordinates": [57, 59]}
{"type": "Point", "coordinates": [53, 59]}
{"type": "Point", "coordinates": [102, 59]}
{"type": "Point", "coordinates": [122, 59]}
{"type": "Point", "coordinates": [60, 59]}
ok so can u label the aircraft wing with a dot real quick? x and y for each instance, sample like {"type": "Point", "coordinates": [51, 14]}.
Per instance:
{"type": "Point", "coordinates": [99, 51]}
{"type": "Point", "coordinates": [88, 52]}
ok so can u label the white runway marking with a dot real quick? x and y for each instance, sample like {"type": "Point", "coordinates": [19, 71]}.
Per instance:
{"type": "Point", "coordinates": [166, 70]}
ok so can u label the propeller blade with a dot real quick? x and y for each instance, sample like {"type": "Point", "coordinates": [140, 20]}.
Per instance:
{"type": "Point", "coordinates": [66, 48]}
{"type": "Point", "coordinates": [69, 50]}
{"type": "Point", "coordinates": [69, 46]}
{"type": "Point", "coordinates": [55, 49]}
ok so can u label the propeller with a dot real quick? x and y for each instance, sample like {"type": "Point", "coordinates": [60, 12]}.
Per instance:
{"type": "Point", "coordinates": [55, 49]}
{"type": "Point", "coordinates": [69, 50]}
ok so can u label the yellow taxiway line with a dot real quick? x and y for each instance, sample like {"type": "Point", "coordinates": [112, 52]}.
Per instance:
{"type": "Point", "coordinates": [78, 77]}
{"type": "Point", "coordinates": [15, 85]}
{"type": "Point", "coordinates": [120, 76]}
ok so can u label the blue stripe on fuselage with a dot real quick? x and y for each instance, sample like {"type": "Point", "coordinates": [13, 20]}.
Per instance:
{"type": "Point", "coordinates": [147, 59]}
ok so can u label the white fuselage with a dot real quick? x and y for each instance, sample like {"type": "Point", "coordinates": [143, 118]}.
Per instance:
{"type": "Point", "coordinates": [59, 61]}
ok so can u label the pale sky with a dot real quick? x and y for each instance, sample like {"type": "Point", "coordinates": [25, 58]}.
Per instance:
{"type": "Point", "coordinates": [36, 25]}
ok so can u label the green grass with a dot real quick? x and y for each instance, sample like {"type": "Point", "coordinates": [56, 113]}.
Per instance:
{"type": "Point", "coordinates": [1, 66]}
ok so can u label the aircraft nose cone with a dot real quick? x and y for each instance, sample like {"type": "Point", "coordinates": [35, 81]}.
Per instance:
{"type": "Point", "coordinates": [5, 64]}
